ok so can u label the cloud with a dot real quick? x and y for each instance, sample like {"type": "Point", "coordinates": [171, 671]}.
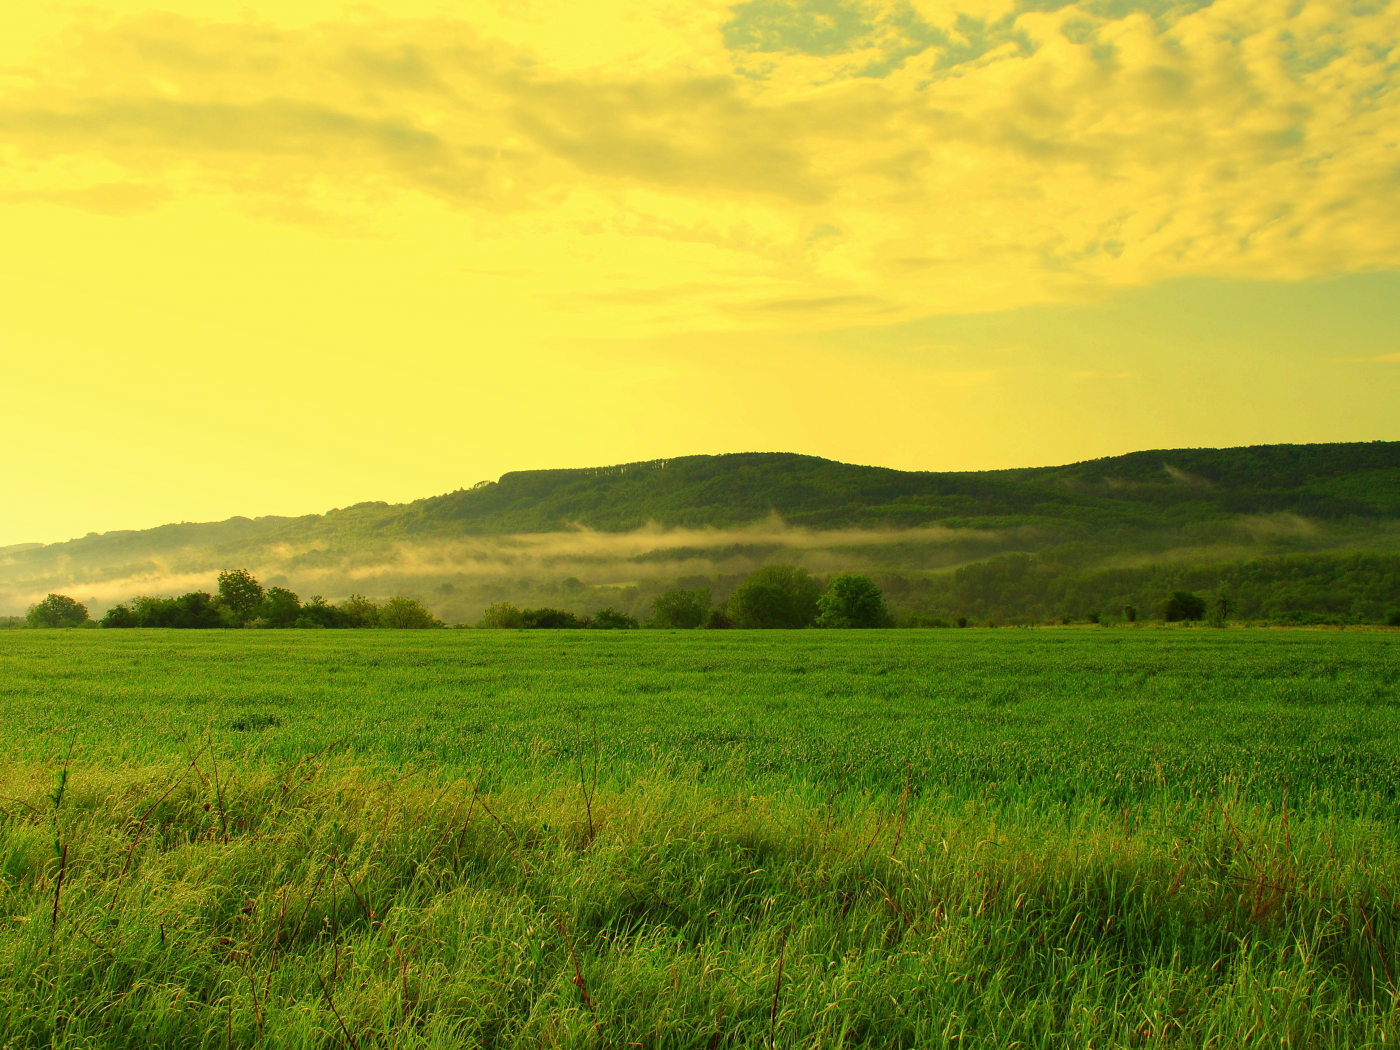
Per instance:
{"type": "Point", "coordinates": [112, 198]}
{"type": "Point", "coordinates": [972, 154]}
{"type": "Point", "coordinates": [1378, 358]}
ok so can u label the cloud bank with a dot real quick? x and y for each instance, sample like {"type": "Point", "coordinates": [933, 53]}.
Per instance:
{"type": "Point", "coordinates": [774, 162]}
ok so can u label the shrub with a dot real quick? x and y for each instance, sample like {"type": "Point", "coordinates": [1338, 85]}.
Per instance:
{"type": "Point", "coordinates": [549, 619]}
{"type": "Point", "coordinates": [776, 596]}
{"type": "Point", "coordinates": [719, 621]}
{"type": "Point", "coordinates": [681, 608]}
{"type": "Point", "coordinates": [358, 611]}
{"type": "Point", "coordinates": [853, 601]}
{"type": "Point", "coordinates": [1393, 620]}
{"type": "Point", "coordinates": [924, 620]}
{"type": "Point", "coordinates": [1183, 605]}
{"type": "Point", "coordinates": [280, 607]}
{"type": "Point", "coordinates": [406, 614]}
{"type": "Point", "coordinates": [119, 616]}
{"type": "Point", "coordinates": [612, 620]}
{"type": "Point", "coordinates": [1130, 613]}
{"type": "Point", "coordinates": [57, 610]}
{"type": "Point", "coordinates": [189, 611]}
{"type": "Point", "coordinates": [501, 616]}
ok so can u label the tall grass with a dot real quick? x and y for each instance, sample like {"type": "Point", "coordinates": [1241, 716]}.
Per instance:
{"type": "Point", "coordinates": [1064, 874]}
{"type": "Point", "coordinates": [330, 905]}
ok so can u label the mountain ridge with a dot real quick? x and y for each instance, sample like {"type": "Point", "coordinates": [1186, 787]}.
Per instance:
{"type": "Point", "coordinates": [697, 516]}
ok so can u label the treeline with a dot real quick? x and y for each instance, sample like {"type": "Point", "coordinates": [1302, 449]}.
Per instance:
{"type": "Point", "coordinates": [776, 596]}
{"type": "Point", "coordinates": [1048, 588]}
{"type": "Point", "coordinates": [241, 602]}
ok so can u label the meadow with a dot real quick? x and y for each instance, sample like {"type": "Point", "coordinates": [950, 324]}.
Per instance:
{"type": "Point", "coordinates": [1069, 837]}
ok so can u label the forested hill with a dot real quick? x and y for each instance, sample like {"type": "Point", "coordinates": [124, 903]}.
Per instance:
{"type": "Point", "coordinates": [1154, 489]}
{"type": "Point", "coordinates": [1143, 489]}
{"type": "Point", "coordinates": [1184, 507]}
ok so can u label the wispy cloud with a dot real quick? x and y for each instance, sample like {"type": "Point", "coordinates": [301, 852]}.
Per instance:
{"type": "Point", "coordinates": [968, 155]}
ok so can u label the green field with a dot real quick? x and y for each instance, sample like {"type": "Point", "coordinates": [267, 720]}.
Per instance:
{"type": "Point", "coordinates": [1107, 837]}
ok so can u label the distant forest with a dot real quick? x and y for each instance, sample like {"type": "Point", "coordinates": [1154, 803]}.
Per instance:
{"type": "Point", "coordinates": [1279, 533]}
{"type": "Point", "coordinates": [1008, 590]}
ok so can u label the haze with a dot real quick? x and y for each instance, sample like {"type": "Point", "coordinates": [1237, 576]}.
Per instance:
{"type": "Point", "coordinates": [276, 258]}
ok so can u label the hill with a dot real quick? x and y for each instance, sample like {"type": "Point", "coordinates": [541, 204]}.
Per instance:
{"type": "Point", "coordinates": [718, 516]}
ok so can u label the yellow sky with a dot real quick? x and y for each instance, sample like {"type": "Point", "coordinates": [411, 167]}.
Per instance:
{"type": "Point", "coordinates": [278, 258]}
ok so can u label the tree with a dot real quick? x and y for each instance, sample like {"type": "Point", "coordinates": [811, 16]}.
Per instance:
{"type": "Point", "coordinates": [549, 619]}
{"type": "Point", "coordinates": [406, 614]}
{"type": "Point", "coordinates": [776, 596]}
{"type": "Point", "coordinates": [359, 611]}
{"type": "Point", "coordinates": [1183, 605]}
{"type": "Point", "coordinates": [1130, 613]}
{"type": "Point", "coordinates": [681, 608]}
{"type": "Point", "coordinates": [57, 610]}
{"type": "Point", "coordinates": [280, 607]}
{"type": "Point", "coordinates": [853, 601]}
{"type": "Point", "coordinates": [501, 616]}
{"type": "Point", "coordinates": [718, 621]}
{"type": "Point", "coordinates": [612, 620]}
{"type": "Point", "coordinates": [119, 616]}
{"type": "Point", "coordinates": [240, 592]}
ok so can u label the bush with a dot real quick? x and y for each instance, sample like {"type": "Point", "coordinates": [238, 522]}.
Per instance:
{"type": "Point", "coordinates": [719, 621]}
{"type": "Point", "coordinates": [776, 596]}
{"type": "Point", "coordinates": [57, 610]}
{"type": "Point", "coordinates": [681, 608]}
{"type": "Point", "coordinates": [549, 620]}
{"type": "Point", "coordinates": [280, 607]}
{"type": "Point", "coordinates": [358, 611]}
{"type": "Point", "coordinates": [962, 621]}
{"type": "Point", "coordinates": [924, 620]}
{"type": "Point", "coordinates": [1130, 613]}
{"type": "Point", "coordinates": [406, 614]}
{"type": "Point", "coordinates": [501, 616]}
{"type": "Point", "coordinates": [612, 620]}
{"type": "Point", "coordinates": [1393, 620]}
{"type": "Point", "coordinates": [119, 616]}
{"type": "Point", "coordinates": [853, 601]}
{"type": "Point", "coordinates": [189, 611]}
{"type": "Point", "coordinates": [1183, 605]}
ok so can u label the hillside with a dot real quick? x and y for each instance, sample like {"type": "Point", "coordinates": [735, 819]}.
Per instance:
{"type": "Point", "coordinates": [717, 516]}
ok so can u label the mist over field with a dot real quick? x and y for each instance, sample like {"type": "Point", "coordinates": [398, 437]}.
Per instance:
{"type": "Point", "coordinates": [457, 577]}
{"type": "Point", "coordinates": [1275, 531]}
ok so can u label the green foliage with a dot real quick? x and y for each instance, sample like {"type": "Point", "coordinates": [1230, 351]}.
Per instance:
{"type": "Point", "coordinates": [358, 611]}
{"type": "Point", "coordinates": [719, 621]}
{"type": "Point", "coordinates": [681, 608]}
{"type": "Point", "coordinates": [57, 610]}
{"type": "Point", "coordinates": [1058, 838]}
{"type": "Point", "coordinates": [502, 616]}
{"type": "Point", "coordinates": [240, 592]}
{"type": "Point", "coordinates": [120, 616]}
{"type": "Point", "coordinates": [920, 620]}
{"type": "Point", "coordinates": [852, 601]}
{"type": "Point", "coordinates": [612, 620]}
{"type": "Point", "coordinates": [406, 614]}
{"type": "Point", "coordinates": [550, 619]}
{"type": "Point", "coordinates": [1300, 588]}
{"type": "Point", "coordinates": [776, 596]}
{"type": "Point", "coordinates": [1393, 620]}
{"type": "Point", "coordinates": [1183, 605]}
{"type": "Point", "coordinates": [189, 611]}
{"type": "Point", "coordinates": [279, 608]}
